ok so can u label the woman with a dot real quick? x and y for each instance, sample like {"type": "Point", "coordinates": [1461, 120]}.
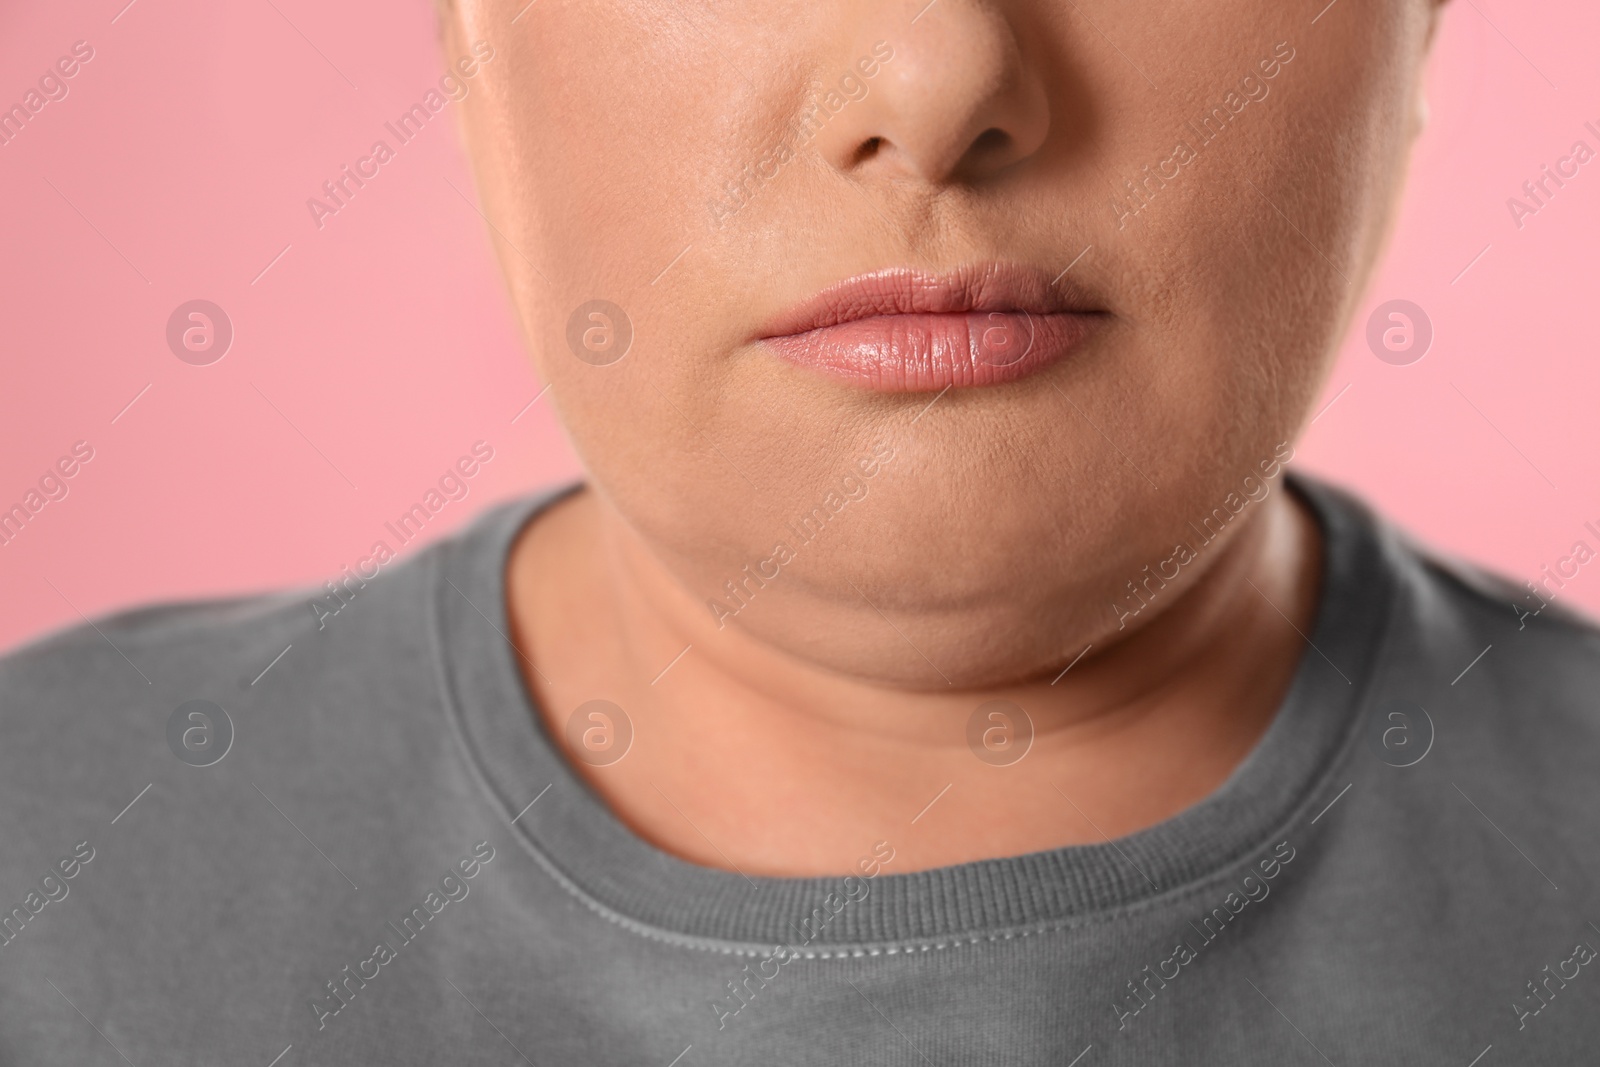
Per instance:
{"type": "Point", "coordinates": [935, 665]}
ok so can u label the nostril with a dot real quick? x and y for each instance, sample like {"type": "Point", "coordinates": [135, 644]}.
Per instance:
{"type": "Point", "coordinates": [991, 143]}
{"type": "Point", "coordinates": [868, 149]}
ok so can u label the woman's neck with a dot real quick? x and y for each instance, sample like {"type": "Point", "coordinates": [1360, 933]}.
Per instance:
{"type": "Point", "coordinates": [747, 758]}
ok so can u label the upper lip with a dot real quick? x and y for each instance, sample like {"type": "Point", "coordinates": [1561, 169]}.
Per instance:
{"type": "Point", "coordinates": [1002, 287]}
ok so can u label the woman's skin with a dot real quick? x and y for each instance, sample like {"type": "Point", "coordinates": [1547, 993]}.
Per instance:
{"type": "Point", "coordinates": [997, 539]}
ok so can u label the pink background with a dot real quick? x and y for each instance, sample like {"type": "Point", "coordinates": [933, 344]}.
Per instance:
{"type": "Point", "coordinates": [374, 352]}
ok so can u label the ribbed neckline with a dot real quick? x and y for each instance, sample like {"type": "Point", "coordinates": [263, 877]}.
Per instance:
{"type": "Point", "coordinates": [595, 856]}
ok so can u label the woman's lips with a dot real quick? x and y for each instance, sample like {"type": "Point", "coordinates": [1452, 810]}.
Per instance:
{"type": "Point", "coordinates": [907, 331]}
{"type": "Point", "coordinates": [921, 351]}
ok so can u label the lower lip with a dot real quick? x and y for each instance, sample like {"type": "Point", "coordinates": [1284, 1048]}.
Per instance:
{"type": "Point", "coordinates": [920, 352]}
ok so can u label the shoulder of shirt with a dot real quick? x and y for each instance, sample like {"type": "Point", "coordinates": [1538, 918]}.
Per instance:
{"type": "Point", "coordinates": [1450, 617]}
{"type": "Point", "coordinates": [1549, 651]}
{"type": "Point", "coordinates": [1434, 572]}
{"type": "Point", "coordinates": [96, 668]}
{"type": "Point", "coordinates": [219, 625]}
{"type": "Point", "coordinates": [1499, 596]}
{"type": "Point", "coordinates": [241, 623]}
{"type": "Point", "coordinates": [85, 710]}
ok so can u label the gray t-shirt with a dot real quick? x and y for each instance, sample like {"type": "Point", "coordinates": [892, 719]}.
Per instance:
{"type": "Point", "coordinates": [251, 829]}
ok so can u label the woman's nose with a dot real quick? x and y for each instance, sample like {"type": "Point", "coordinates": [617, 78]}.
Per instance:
{"type": "Point", "coordinates": [957, 102]}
